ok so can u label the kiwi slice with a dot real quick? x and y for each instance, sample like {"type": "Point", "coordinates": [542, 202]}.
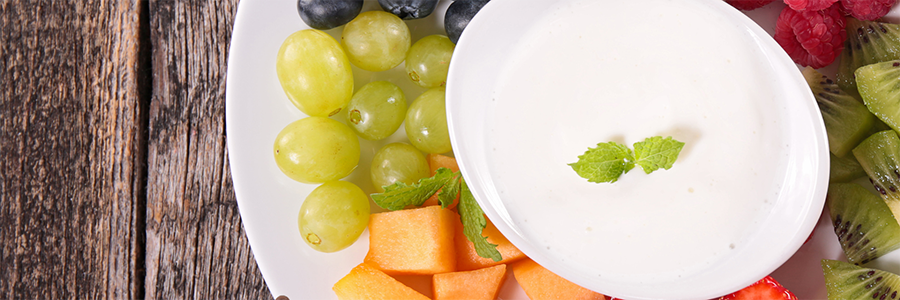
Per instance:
{"type": "Point", "coordinates": [879, 86]}
{"type": "Point", "coordinates": [847, 121]}
{"type": "Point", "coordinates": [868, 42]}
{"type": "Point", "coordinates": [863, 223]}
{"type": "Point", "coordinates": [845, 169]}
{"type": "Point", "coordinates": [846, 281]}
{"type": "Point", "coordinates": [879, 156]}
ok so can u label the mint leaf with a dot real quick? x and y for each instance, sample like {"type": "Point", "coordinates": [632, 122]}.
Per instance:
{"type": "Point", "coordinates": [605, 163]}
{"type": "Point", "coordinates": [449, 192]}
{"type": "Point", "coordinates": [399, 195]}
{"type": "Point", "coordinates": [657, 152]}
{"type": "Point", "coordinates": [473, 222]}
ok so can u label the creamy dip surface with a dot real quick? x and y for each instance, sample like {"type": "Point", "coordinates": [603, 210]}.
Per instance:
{"type": "Point", "coordinates": [655, 68]}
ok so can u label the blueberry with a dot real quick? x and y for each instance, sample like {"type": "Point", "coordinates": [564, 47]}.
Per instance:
{"type": "Point", "coordinates": [328, 14]}
{"type": "Point", "coordinates": [458, 16]}
{"type": "Point", "coordinates": [409, 9]}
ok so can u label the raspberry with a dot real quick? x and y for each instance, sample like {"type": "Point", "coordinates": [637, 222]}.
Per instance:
{"type": "Point", "coordinates": [868, 10]}
{"type": "Point", "coordinates": [811, 38]}
{"type": "Point", "coordinates": [809, 5]}
{"type": "Point", "coordinates": [748, 4]}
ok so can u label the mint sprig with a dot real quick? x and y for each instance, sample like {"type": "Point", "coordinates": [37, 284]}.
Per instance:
{"type": "Point", "coordinates": [400, 195]}
{"type": "Point", "coordinates": [608, 161]}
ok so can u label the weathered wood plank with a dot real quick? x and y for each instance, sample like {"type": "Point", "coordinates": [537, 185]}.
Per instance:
{"type": "Point", "coordinates": [196, 246]}
{"type": "Point", "coordinates": [71, 149]}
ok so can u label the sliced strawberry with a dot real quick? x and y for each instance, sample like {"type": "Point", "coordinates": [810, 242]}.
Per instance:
{"type": "Point", "coordinates": [764, 289]}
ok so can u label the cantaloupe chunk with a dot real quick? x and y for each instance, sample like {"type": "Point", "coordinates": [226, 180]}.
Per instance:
{"type": "Point", "coordinates": [413, 241]}
{"type": "Point", "coordinates": [437, 161]}
{"type": "Point", "coordinates": [466, 257]}
{"type": "Point", "coordinates": [366, 282]}
{"type": "Point", "coordinates": [469, 285]}
{"type": "Point", "coordinates": [539, 283]}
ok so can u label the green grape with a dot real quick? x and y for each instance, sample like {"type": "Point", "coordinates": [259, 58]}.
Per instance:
{"type": "Point", "coordinates": [376, 40]}
{"type": "Point", "coordinates": [333, 216]}
{"type": "Point", "coordinates": [376, 110]}
{"type": "Point", "coordinates": [428, 60]}
{"type": "Point", "coordinates": [314, 73]}
{"type": "Point", "coordinates": [426, 122]}
{"type": "Point", "coordinates": [316, 149]}
{"type": "Point", "coordinates": [398, 162]}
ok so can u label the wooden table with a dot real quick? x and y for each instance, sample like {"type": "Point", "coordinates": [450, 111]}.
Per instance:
{"type": "Point", "coordinates": [114, 175]}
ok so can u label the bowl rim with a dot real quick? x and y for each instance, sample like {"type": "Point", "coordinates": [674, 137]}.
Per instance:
{"type": "Point", "coordinates": [472, 50]}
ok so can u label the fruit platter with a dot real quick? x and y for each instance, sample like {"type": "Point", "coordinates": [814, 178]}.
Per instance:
{"type": "Point", "coordinates": [348, 186]}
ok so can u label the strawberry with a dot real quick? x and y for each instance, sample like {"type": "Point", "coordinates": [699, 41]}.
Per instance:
{"type": "Point", "coordinates": [764, 289]}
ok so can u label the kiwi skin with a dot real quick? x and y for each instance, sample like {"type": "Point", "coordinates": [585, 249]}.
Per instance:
{"type": "Point", "coordinates": [863, 223]}
{"type": "Point", "coordinates": [879, 86]}
{"type": "Point", "coordinates": [868, 42]}
{"type": "Point", "coordinates": [847, 120]}
{"type": "Point", "coordinates": [845, 281]}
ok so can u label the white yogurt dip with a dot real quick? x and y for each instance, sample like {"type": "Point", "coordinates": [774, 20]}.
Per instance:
{"type": "Point", "coordinates": [710, 90]}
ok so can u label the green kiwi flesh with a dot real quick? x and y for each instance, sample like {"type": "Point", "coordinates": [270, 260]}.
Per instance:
{"type": "Point", "coordinates": [863, 223]}
{"type": "Point", "coordinates": [879, 86]}
{"type": "Point", "coordinates": [845, 169]}
{"type": "Point", "coordinates": [845, 281]}
{"type": "Point", "coordinates": [879, 156]}
{"type": "Point", "coordinates": [868, 42]}
{"type": "Point", "coordinates": [847, 120]}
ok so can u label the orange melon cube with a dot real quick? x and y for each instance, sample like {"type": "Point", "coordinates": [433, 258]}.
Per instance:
{"type": "Point", "coordinates": [466, 257]}
{"type": "Point", "coordinates": [413, 241]}
{"type": "Point", "coordinates": [539, 283]}
{"type": "Point", "coordinates": [367, 282]}
{"type": "Point", "coordinates": [437, 161]}
{"type": "Point", "coordinates": [469, 285]}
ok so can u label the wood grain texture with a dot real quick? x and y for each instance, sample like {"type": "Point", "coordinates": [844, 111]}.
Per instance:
{"type": "Point", "coordinates": [196, 246]}
{"type": "Point", "coordinates": [71, 149]}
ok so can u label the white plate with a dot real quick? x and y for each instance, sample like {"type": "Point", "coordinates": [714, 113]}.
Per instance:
{"type": "Point", "coordinates": [257, 109]}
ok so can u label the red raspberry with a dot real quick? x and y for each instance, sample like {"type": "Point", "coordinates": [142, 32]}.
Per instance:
{"type": "Point", "coordinates": [811, 38]}
{"type": "Point", "coordinates": [811, 5]}
{"type": "Point", "coordinates": [868, 10]}
{"type": "Point", "coordinates": [748, 4]}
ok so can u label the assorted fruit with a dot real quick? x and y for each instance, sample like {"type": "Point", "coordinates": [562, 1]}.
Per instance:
{"type": "Point", "coordinates": [434, 235]}
{"type": "Point", "coordinates": [813, 32]}
{"type": "Point", "coordinates": [861, 112]}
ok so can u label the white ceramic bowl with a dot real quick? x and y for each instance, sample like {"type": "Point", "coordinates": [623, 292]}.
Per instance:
{"type": "Point", "coordinates": [556, 58]}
